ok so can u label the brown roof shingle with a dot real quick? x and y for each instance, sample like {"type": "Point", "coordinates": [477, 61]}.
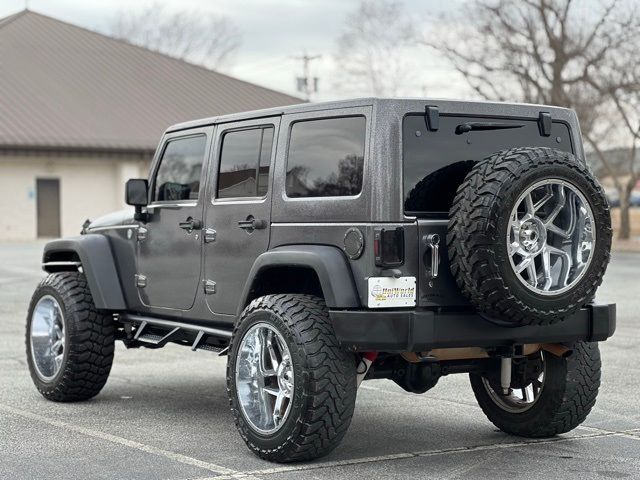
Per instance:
{"type": "Point", "coordinates": [65, 86]}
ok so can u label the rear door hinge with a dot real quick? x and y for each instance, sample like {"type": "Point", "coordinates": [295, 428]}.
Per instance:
{"type": "Point", "coordinates": [432, 118]}
{"type": "Point", "coordinates": [209, 235]}
{"type": "Point", "coordinates": [209, 287]}
{"type": "Point", "coordinates": [544, 124]}
{"type": "Point", "coordinates": [141, 280]}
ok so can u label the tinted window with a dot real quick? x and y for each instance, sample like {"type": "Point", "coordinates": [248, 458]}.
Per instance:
{"type": "Point", "coordinates": [245, 162]}
{"type": "Point", "coordinates": [435, 163]}
{"type": "Point", "coordinates": [326, 157]}
{"type": "Point", "coordinates": [178, 177]}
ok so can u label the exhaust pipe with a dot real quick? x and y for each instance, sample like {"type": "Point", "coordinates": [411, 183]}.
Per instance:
{"type": "Point", "coordinates": [557, 349]}
{"type": "Point", "coordinates": [363, 367]}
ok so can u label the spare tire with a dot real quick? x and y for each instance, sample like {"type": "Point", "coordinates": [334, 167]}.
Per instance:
{"type": "Point", "coordinates": [529, 236]}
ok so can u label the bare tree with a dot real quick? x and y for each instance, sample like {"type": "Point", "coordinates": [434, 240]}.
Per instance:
{"type": "Point", "coordinates": [196, 36]}
{"type": "Point", "coordinates": [369, 49]}
{"type": "Point", "coordinates": [559, 52]}
{"type": "Point", "coordinates": [624, 118]}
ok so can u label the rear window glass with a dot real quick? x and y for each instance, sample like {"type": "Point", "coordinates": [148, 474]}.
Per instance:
{"type": "Point", "coordinates": [435, 163]}
{"type": "Point", "coordinates": [326, 157]}
{"type": "Point", "coordinates": [244, 163]}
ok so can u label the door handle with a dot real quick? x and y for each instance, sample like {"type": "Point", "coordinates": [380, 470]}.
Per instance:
{"type": "Point", "coordinates": [190, 225]}
{"type": "Point", "coordinates": [252, 224]}
{"type": "Point", "coordinates": [433, 242]}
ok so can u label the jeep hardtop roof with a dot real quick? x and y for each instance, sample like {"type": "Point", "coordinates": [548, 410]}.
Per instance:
{"type": "Point", "coordinates": [457, 107]}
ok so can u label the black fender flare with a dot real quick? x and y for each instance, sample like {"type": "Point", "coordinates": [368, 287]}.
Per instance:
{"type": "Point", "coordinates": [98, 265]}
{"type": "Point", "coordinates": [329, 263]}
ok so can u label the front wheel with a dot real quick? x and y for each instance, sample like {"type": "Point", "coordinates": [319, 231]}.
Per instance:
{"type": "Point", "coordinates": [291, 388]}
{"type": "Point", "coordinates": [70, 343]}
{"type": "Point", "coordinates": [549, 395]}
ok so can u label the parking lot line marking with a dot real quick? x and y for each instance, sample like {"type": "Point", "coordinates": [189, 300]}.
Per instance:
{"type": "Point", "coordinates": [419, 454]}
{"type": "Point", "coordinates": [178, 457]}
{"type": "Point", "coordinates": [631, 433]}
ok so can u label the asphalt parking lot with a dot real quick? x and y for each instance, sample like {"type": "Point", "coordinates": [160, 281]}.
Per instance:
{"type": "Point", "coordinates": [164, 414]}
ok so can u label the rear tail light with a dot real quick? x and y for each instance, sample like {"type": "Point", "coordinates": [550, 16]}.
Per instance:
{"type": "Point", "coordinates": [388, 246]}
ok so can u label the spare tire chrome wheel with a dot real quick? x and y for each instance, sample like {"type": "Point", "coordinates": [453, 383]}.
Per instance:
{"type": "Point", "coordinates": [529, 236]}
{"type": "Point", "coordinates": [551, 237]}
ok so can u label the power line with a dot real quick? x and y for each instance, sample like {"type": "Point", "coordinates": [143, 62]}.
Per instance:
{"type": "Point", "coordinates": [306, 84]}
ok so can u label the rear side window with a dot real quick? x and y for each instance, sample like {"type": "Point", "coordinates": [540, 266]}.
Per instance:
{"type": "Point", "coordinates": [245, 161]}
{"type": "Point", "coordinates": [326, 157]}
{"type": "Point", "coordinates": [178, 176]}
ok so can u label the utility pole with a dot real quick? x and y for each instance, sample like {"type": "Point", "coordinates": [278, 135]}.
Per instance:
{"type": "Point", "coordinates": [305, 84]}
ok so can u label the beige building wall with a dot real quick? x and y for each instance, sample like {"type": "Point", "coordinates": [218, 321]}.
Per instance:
{"type": "Point", "coordinates": [89, 187]}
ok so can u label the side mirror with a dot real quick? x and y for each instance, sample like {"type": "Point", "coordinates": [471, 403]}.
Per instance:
{"type": "Point", "coordinates": [137, 194]}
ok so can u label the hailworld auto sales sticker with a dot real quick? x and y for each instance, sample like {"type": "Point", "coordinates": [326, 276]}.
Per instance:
{"type": "Point", "coordinates": [392, 292]}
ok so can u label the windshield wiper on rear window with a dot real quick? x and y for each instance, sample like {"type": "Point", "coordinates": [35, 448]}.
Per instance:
{"type": "Point", "coordinates": [479, 126]}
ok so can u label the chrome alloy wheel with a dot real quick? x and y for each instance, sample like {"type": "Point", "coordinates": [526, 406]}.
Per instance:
{"type": "Point", "coordinates": [551, 237]}
{"type": "Point", "coordinates": [264, 378]}
{"type": "Point", "coordinates": [519, 399]}
{"type": "Point", "coordinates": [47, 337]}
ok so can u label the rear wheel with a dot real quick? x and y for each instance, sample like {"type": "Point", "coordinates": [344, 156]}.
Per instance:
{"type": "Point", "coordinates": [70, 343]}
{"type": "Point", "coordinates": [549, 395]}
{"type": "Point", "coordinates": [291, 388]}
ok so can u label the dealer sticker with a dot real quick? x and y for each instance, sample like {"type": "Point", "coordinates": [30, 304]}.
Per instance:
{"type": "Point", "coordinates": [392, 292]}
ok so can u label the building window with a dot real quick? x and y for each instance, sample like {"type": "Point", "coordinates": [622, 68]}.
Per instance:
{"type": "Point", "coordinates": [244, 163]}
{"type": "Point", "coordinates": [178, 177]}
{"type": "Point", "coordinates": [326, 157]}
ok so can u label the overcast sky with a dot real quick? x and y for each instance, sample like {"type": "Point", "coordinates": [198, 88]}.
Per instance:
{"type": "Point", "coordinates": [273, 32]}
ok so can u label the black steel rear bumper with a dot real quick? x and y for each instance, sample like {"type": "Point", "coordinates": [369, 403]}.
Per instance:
{"type": "Point", "coordinates": [423, 330]}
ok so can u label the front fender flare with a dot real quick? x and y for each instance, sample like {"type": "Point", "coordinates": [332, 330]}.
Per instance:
{"type": "Point", "coordinates": [96, 258]}
{"type": "Point", "coordinates": [329, 263]}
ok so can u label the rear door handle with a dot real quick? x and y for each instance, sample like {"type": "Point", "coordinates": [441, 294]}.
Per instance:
{"type": "Point", "coordinates": [190, 225]}
{"type": "Point", "coordinates": [252, 224]}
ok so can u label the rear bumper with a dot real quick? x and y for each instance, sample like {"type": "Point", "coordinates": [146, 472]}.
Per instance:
{"type": "Point", "coordinates": [423, 330]}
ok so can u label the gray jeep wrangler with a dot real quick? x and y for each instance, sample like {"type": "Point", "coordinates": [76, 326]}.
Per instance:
{"type": "Point", "coordinates": [321, 245]}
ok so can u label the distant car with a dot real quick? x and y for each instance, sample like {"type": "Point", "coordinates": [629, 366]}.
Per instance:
{"type": "Point", "coordinates": [614, 201]}
{"type": "Point", "coordinates": [634, 201]}
{"type": "Point", "coordinates": [307, 243]}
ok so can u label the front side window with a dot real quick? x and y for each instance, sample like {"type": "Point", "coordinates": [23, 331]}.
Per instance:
{"type": "Point", "coordinates": [178, 176]}
{"type": "Point", "coordinates": [326, 157]}
{"type": "Point", "coordinates": [244, 163]}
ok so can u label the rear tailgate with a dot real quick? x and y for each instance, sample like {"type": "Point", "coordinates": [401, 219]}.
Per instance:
{"type": "Point", "coordinates": [435, 163]}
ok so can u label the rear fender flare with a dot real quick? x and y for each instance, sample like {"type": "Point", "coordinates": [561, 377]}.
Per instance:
{"type": "Point", "coordinates": [329, 264]}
